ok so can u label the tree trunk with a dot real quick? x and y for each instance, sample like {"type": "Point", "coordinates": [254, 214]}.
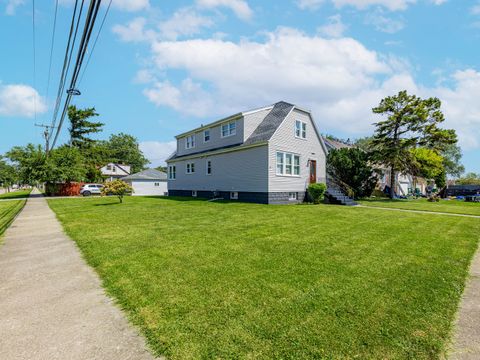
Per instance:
{"type": "Point", "coordinates": [392, 182]}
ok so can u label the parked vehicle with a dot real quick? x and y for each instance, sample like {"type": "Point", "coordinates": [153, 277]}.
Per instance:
{"type": "Point", "coordinates": [91, 189]}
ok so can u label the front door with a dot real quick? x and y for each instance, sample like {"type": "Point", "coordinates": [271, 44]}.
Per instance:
{"type": "Point", "coordinates": [313, 171]}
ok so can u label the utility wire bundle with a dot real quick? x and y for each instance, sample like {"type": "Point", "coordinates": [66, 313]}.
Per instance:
{"type": "Point", "coordinates": [81, 50]}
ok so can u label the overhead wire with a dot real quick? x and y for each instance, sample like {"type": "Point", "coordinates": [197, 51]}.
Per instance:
{"type": "Point", "coordinates": [87, 32]}
{"type": "Point", "coordinates": [95, 42]}
{"type": "Point", "coordinates": [51, 48]}
{"type": "Point", "coordinates": [34, 63]}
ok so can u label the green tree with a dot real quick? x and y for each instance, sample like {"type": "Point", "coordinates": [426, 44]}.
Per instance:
{"type": "Point", "coordinates": [452, 156]}
{"type": "Point", "coordinates": [118, 188]}
{"type": "Point", "coordinates": [8, 175]}
{"type": "Point", "coordinates": [65, 164]}
{"type": "Point", "coordinates": [428, 164]}
{"type": "Point", "coordinates": [29, 162]}
{"type": "Point", "coordinates": [81, 128]}
{"type": "Point", "coordinates": [124, 149]}
{"type": "Point", "coordinates": [351, 167]}
{"type": "Point", "coordinates": [411, 122]}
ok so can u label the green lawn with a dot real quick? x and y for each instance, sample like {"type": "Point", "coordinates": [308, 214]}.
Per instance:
{"type": "Point", "coordinates": [20, 194]}
{"type": "Point", "coordinates": [231, 280]}
{"type": "Point", "coordinates": [8, 210]}
{"type": "Point", "coordinates": [447, 206]}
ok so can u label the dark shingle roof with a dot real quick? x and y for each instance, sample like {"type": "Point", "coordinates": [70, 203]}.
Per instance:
{"type": "Point", "coordinates": [149, 174]}
{"type": "Point", "coordinates": [269, 125]}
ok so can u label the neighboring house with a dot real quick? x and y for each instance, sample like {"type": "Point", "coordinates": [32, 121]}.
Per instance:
{"type": "Point", "coordinates": [148, 182]}
{"type": "Point", "coordinates": [268, 155]}
{"type": "Point", "coordinates": [113, 171]}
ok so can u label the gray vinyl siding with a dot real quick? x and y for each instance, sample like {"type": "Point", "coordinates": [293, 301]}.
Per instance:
{"type": "Point", "coordinates": [253, 120]}
{"type": "Point", "coordinates": [309, 149]}
{"type": "Point", "coordinates": [244, 170]}
{"type": "Point", "coordinates": [216, 139]}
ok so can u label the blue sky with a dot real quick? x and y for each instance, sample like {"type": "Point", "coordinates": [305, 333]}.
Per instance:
{"type": "Point", "coordinates": [162, 67]}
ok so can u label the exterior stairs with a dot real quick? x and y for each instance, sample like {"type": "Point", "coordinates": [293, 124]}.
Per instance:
{"type": "Point", "coordinates": [337, 197]}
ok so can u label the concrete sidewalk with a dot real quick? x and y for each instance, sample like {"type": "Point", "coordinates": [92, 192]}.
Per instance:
{"type": "Point", "coordinates": [52, 305]}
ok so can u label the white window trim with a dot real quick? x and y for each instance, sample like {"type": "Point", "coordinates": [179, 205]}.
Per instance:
{"type": "Point", "coordinates": [302, 123]}
{"type": "Point", "coordinates": [229, 133]}
{"type": "Point", "coordinates": [293, 198]}
{"type": "Point", "coordinates": [171, 172]}
{"type": "Point", "coordinates": [192, 137]}
{"type": "Point", "coordinates": [209, 135]}
{"type": "Point", "coordinates": [285, 164]}
{"type": "Point", "coordinates": [233, 195]}
{"type": "Point", "coordinates": [194, 193]}
{"type": "Point", "coordinates": [206, 167]}
{"type": "Point", "coordinates": [187, 167]}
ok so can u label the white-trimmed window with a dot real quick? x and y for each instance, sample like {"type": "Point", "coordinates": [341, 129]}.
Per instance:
{"type": "Point", "coordinates": [234, 195]}
{"type": "Point", "coordinates": [194, 193]}
{"type": "Point", "coordinates": [156, 184]}
{"type": "Point", "coordinates": [292, 196]}
{"type": "Point", "coordinates": [229, 129]}
{"type": "Point", "coordinates": [206, 135]}
{"type": "Point", "coordinates": [209, 167]}
{"type": "Point", "coordinates": [190, 142]}
{"type": "Point", "coordinates": [287, 164]}
{"type": "Point", "coordinates": [172, 172]}
{"type": "Point", "coordinates": [300, 129]}
{"type": "Point", "coordinates": [190, 168]}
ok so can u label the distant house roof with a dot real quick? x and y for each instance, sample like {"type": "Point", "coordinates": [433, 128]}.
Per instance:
{"type": "Point", "coordinates": [334, 144]}
{"type": "Point", "coordinates": [149, 174]}
{"type": "Point", "coordinates": [263, 133]}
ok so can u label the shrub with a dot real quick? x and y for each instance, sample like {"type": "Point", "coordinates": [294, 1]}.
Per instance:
{"type": "Point", "coordinates": [317, 192]}
{"type": "Point", "coordinates": [433, 198]}
{"type": "Point", "coordinates": [118, 188]}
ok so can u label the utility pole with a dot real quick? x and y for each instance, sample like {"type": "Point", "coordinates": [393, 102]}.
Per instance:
{"type": "Point", "coordinates": [46, 135]}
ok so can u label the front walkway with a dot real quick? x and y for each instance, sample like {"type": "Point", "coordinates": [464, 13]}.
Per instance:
{"type": "Point", "coordinates": [52, 305]}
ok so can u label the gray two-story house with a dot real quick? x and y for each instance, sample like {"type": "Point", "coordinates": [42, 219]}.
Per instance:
{"type": "Point", "coordinates": [268, 155]}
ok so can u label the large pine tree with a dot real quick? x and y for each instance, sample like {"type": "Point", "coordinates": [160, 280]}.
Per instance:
{"type": "Point", "coordinates": [81, 128]}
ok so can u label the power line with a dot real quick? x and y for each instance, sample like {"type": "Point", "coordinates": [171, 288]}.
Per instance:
{"type": "Point", "coordinates": [66, 60]}
{"type": "Point", "coordinates": [51, 47]}
{"type": "Point", "coordinates": [34, 63]}
{"type": "Point", "coordinates": [95, 42]}
{"type": "Point", "coordinates": [87, 32]}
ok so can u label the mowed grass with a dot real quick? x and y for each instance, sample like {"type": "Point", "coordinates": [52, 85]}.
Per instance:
{"type": "Point", "coordinates": [233, 281]}
{"type": "Point", "coordinates": [8, 211]}
{"type": "Point", "coordinates": [446, 206]}
{"type": "Point", "coordinates": [19, 194]}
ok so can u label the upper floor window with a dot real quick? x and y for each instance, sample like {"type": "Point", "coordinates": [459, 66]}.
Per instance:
{"type": "Point", "coordinates": [229, 129]}
{"type": "Point", "coordinates": [190, 168]}
{"type": "Point", "coordinates": [288, 164]}
{"type": "Point", "coordinates": [300, 129]}
{"type": "Point", "coordinates": [172, 172]}
{"type": "Point", "coordinates": [209, 167]}
{"type": "Point", "coordinates": [190, 142]}
{"type": "Point", "coordinates": [206, 136]}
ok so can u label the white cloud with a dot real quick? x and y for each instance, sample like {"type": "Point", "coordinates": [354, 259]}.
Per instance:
{"type": "Point", "coordinates": [393, 5]}
{"type": "Point", "coordinates": [334, 27]}
{"type": "Point", "coordinates": [461, 106]}
{"type": "Point", "coordinates": [131, 5]}
{"type": "Point", "coordinates": [157, 152]}
{"type": "Point", "coordinates": [12, 5]}
{"type": "Point", "coordinates": [184, 22]}
{"type": "Point", "coordinates": [17, 100]}
{"type": "Point", "coordinates": [383, 23]}
{"type": "Point", "coordinates": [475, 10]}
{"type": "Point", "coordinates": [239, 7]}
{"type": "Point", "coordinates": [134, 31]}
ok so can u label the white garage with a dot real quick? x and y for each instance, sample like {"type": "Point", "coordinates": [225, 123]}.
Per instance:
{"type": "Point", "coordinates": [148, 182]}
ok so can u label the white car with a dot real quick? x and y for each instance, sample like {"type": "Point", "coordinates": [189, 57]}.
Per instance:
{"type": "Point", "coordinates": [91, 189]}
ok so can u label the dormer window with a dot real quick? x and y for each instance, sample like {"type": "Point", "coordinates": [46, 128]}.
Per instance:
{"type": "Point", "coordinates": [190, 142]}
{"type": "Point", "coordinates": [229, 129]}
{"type": "Point", "coordinates": [300, 129]}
